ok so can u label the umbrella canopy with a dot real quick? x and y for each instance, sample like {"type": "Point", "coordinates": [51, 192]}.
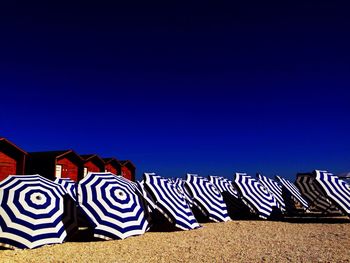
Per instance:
{"type": "Point", "coordinates": [236, 206]}
{"type": "Point", "coordinates": [34, 211]}
{"type": "Point", "coordinates": [112, 205]}
{"type": "Point", "coordinates": [206, 195]}
{"type": "Point", "coordinates": [274, 188]}
{"type": "Point", "coordinates": [312, 192]}
{"type": "Point", "coordinates": [170, 201]}
{"type": "Point", "coordinates": [335, 189]}
{"type": "Point", "coordinates": [256, 194]}
{"type": "Point", "coordinates": [69, 185]}
{"type": "Point", "coordinates": [151, 204]}
{"type": "Point", "coordinates": [180, 184]}
{"type": "Point", "coordinates": [196, 208]}
{"type": "Point", "coordinates": [293, 191]}
{"type": "Point", "coordinates": [224, 185]}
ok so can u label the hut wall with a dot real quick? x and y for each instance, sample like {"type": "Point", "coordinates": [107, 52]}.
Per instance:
{"type": "Point", "coordinates": [110, 168]}
{"type": "Point", "coordinates": [69, 169]}
{"type": "Point", "coordinates": [8, 165]}
{"type": "Point", "coordinates": [126, 173]}
{"type": "Point", "coordinates": [92, 167]}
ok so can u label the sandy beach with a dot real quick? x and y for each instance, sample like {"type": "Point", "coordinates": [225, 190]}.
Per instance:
{"type": "Point", "coordinates": [294, 240]}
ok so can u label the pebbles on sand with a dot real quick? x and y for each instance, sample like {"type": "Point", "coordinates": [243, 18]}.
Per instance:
{"type": "Point", "coordinates": [314, 240]}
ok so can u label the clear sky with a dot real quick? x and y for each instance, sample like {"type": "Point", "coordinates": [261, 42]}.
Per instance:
{"type": "Point", "coordinates": [211, 88]}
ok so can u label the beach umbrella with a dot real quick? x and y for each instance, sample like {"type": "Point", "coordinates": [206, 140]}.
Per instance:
{"type": "Point", "coordinates": [223, 185]}
{"type": "Point", "coordinates": [292, 191]}
{"type": "Point", "coordinates": [150, 203]}
{"type": "Point", "coordinates": [170, 201]}
{"type": "Point", "coordinates": [274, 188]}
{"type": "Point", "coordinates": [113, 205]}
{"type": "Point", "coordinates": [206, 195]}
{"type": "Point", "coordinates": [69, 185]}
{"type": "Point", "coordinates": [336, 190]}
{"type": "Point", "coordinates": [313, 194]}
{"type": "Point", "coordinates": [180, 184]}
{"type": "Point", "coordinates": [195, 207]}
{"type": "Point", "coordinates": [236, 206]}
{"type": "Point", "coordinates": [34, 211]}
{"type": "Point", "coordinates": [256, 194]}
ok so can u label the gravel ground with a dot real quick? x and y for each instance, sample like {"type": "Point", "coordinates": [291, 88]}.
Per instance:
{"type": "Point", "coordinates": [296, 240]}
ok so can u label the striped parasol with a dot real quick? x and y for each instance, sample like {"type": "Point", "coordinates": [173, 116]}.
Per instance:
{"type": "Point", "coordinates": [151, 204]}
{"type": "Point", "coordinates": [336, 190]}
{"type": "Point", "coordinates": [170, 201]}
{"type": "Point", "coordinates": [180, 184]}
{"type": "Point", "coordinates": [293, 191]}
{"type": "Point", "coordinates": [236, 206]}
{"type": "Point", "coordinates": [256, 194]}
{"type": "Point", "coordinates": [34, 211]}
{"type": "Point", "coordinates": [206, 195]}
{"type": "Point", "coordinates": [69, 185]}
{"type": "Point", "coordinates": [113, 206]}
{"type": "Point", "coordinates": [223, 185]}
{"type": "Point", "coordinates": [274, 188]}
{"type": "Point", "coordinates": [312, 192]}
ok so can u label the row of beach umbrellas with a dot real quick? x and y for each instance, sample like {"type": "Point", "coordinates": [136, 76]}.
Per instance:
{"type": "Point", "coordinates": [35, 211]}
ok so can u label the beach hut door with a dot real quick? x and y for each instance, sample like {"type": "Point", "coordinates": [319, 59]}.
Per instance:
{"type": "Point", "coordinates": [58, 170]}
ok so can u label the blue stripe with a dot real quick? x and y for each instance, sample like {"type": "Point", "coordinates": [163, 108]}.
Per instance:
{"type": "Point", "coordinates": [205, 193]}
{"type": "Point", "coordinates": [170, 201]}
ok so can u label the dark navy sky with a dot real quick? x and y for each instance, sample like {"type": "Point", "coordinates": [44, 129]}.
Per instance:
{"type": "Point", "coordinates": [212, 88]}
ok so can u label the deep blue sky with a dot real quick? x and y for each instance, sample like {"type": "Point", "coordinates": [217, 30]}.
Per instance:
{"type": "Point", "coordinates": [212, 88]}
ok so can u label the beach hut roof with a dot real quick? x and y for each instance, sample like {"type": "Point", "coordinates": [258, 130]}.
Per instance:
{"type": "Point", "coordinates": [15, 147]}
{"type": "Point", "coordinates": [127, 163]}
{"type": "Point", "coordinates": [110, 160]}
{"type": "Point", "coordinates": [89, 157]}
{"type": "Point", "coordinates": [54, 154]}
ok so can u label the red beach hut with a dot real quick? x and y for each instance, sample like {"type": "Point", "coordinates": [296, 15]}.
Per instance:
{"type": "Point", "coordinates": [55, 164]}
{"type": "Point", "coordinates": [112, 165]}
{"type": "Point", "coordinates": [12, 159]}
{"type": "Point", "coordinates": [92, 163]}
{"type": "Point", "coordinates": [128, 169]}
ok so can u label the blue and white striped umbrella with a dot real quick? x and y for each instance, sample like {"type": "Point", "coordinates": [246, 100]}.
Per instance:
{"type": "Point", "coordinates": [312, 192]}
{"type": "Point", "coordinates": [113, 206]}
{"type": "Point", "coordinates": [206, 195]}
{"type": "Point", "coordinates": [69, 185]}
{"type": "Point", "coordinates": [34, 211]}
{"type": "Point", "coordinates": [293, 191]}
{"type": "Point", "coordinates": [224, 185]}
{"type": "Point", "coordinates": [256, 194]}
{"type": "Point", "coordinates": [170, 201]}
{"type": "Point", "coordinates": [274, 188]}
{"type": "Point", "coordinates": [180, 184]}
{"type": "Point", "coordinates": [335, 189]}
{"type": "Point", "coordinates": [196, 208]}
{"type": "Point", "coordinates": [151, 204]}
